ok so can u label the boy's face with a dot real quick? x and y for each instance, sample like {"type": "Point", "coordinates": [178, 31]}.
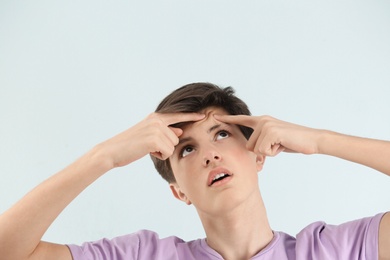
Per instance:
{"type": "Point", "coordinates": [213, 169]}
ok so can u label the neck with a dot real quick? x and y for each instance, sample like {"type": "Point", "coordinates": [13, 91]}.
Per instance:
{"type": "Point", "coordinates": [241, 232]}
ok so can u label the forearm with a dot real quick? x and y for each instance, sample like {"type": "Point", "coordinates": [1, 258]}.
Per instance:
{"type": "Point", "coordinates": [23, 225]}
{"type": "Point", "coordinates": [369, 152]}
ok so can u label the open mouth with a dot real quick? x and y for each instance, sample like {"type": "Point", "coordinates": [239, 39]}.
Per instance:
{"type": "Point", "coordinates": [219, 177]}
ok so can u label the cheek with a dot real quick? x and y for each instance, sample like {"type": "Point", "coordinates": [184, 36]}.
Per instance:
{"type": "Point", "coordinates": [184, 174]}
{"type": "Point", "coordinates": [244, 157]}
{"type": "Point", "coordinates": [235, 147]}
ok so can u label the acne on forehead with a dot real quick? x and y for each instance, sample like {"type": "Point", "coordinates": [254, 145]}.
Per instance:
{"type": "Point", "coordinates": [213, 110]}
{"type": "Point", "coordinates": [209, 112]}
{"type": "Point", "coordinates": [183, 125]}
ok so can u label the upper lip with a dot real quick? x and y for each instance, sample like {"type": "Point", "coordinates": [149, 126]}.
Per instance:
{"type": "Point", "coordinates": [216, 171]}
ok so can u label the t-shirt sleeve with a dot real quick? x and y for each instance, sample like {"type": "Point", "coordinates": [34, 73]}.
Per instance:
{"type": "Point", "coordinates": [117, 248]}
{"type": "Point", "coordinates": [140, 245]}
{"type": "Point", "coordinates": [356, 239]}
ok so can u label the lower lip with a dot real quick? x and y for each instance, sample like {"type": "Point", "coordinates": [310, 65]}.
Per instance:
{"type": "Point", "coordinates": [222, 182]}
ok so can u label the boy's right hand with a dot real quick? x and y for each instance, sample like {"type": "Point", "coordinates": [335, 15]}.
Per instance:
{"type": "Point", "coordinates": [152, 135]}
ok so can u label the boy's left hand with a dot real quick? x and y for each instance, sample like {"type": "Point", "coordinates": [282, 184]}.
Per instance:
{"type": "Point", "coordinates": [271, 136]}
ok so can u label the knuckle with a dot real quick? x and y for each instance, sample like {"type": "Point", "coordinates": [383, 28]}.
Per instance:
{"type": "Point", "coordinates": [152, 115]}
{"type": "Point", "coordinates": [266, 118]}
{"type": "Point", "coordinates": [157, 123]}
{"type": "Point", "coordinates": [268, 126]}
{"type": "Point", "coordinates": [154, 144]}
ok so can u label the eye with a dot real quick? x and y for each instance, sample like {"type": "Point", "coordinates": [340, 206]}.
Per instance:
{"type": "Point", "coordinates": [222, 135]}
{"type": "Point", "coordinates": [186, 151]}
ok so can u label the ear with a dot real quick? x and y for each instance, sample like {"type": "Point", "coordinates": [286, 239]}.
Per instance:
{"type": "Point", "coordinates": [176, 191]}
{"type": "Point", "coordinates": [260, 159]}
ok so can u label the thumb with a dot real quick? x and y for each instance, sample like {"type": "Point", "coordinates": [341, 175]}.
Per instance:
{"type": "Point", "coordinates": [178, 132]}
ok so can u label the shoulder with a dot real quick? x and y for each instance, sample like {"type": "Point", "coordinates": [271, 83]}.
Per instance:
{"type": "Point", "coordinates": [144, 244]}
{"type": "Point", "coordinates": [130, 246]}
{"type": "Point", "coordinates": [350, 240]}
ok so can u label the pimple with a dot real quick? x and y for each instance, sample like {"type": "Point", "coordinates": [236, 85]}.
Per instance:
{"type": "Point", "coordinates": [207, 113]}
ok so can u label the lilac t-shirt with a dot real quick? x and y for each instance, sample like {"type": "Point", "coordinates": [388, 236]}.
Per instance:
{"type": "Point", "coordinates": [352, 240]}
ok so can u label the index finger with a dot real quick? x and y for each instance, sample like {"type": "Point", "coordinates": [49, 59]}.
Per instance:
{"type": "Point", "coordinates": [174, 118]}
{"type": "Point", "coordinates": [243, 120]}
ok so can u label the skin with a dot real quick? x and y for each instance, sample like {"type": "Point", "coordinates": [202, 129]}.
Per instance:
{"type": "Point", "coordinates": [23, 225]}
{"type": "Point", "coordinates": [272, 136]}
{"type": "Point", "coordinates": [225, 210]}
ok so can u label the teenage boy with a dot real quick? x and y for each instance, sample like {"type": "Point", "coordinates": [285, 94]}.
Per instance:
{"type": "Point", "coordinates": [204, 142]}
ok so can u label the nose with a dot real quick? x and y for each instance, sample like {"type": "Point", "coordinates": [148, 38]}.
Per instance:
{"type": "Point", "coordinates": [211, 157]}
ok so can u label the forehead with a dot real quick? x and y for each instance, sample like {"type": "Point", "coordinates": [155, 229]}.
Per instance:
{"type": "Point", "coordinates": [209, 118]}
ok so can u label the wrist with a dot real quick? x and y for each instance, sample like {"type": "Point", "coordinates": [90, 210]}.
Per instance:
{"type": "Point", "coordinates": [325, 140]}
{"type": "Point", "coordinates": [100, 158]}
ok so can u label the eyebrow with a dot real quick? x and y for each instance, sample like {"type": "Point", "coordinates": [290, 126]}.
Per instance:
{"type": "Point", "coordinates": [183, 140]}
{"type": "Point", "coordinates": [211, 129]}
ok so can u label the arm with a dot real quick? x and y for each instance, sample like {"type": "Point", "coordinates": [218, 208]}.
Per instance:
{"type": "Point", "coordinates": [384, 237]}
{"type": "Point", "coordinates": [369, 152]}
{"type": "Point", "coordinates": [23, 225]}
{"type": "Point", "coordinates": [272, 136]}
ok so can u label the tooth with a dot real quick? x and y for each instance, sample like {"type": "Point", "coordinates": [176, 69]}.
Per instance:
{"type": "Point", "coordinates": [219, 175]}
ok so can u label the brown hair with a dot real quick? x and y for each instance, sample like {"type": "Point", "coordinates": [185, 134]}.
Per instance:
{"type": "Point", "coordinates": [194, 98]}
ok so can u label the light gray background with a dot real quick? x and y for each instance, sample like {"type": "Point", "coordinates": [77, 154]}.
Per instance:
{"type": "Point", "coordinates": [73, 73]}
